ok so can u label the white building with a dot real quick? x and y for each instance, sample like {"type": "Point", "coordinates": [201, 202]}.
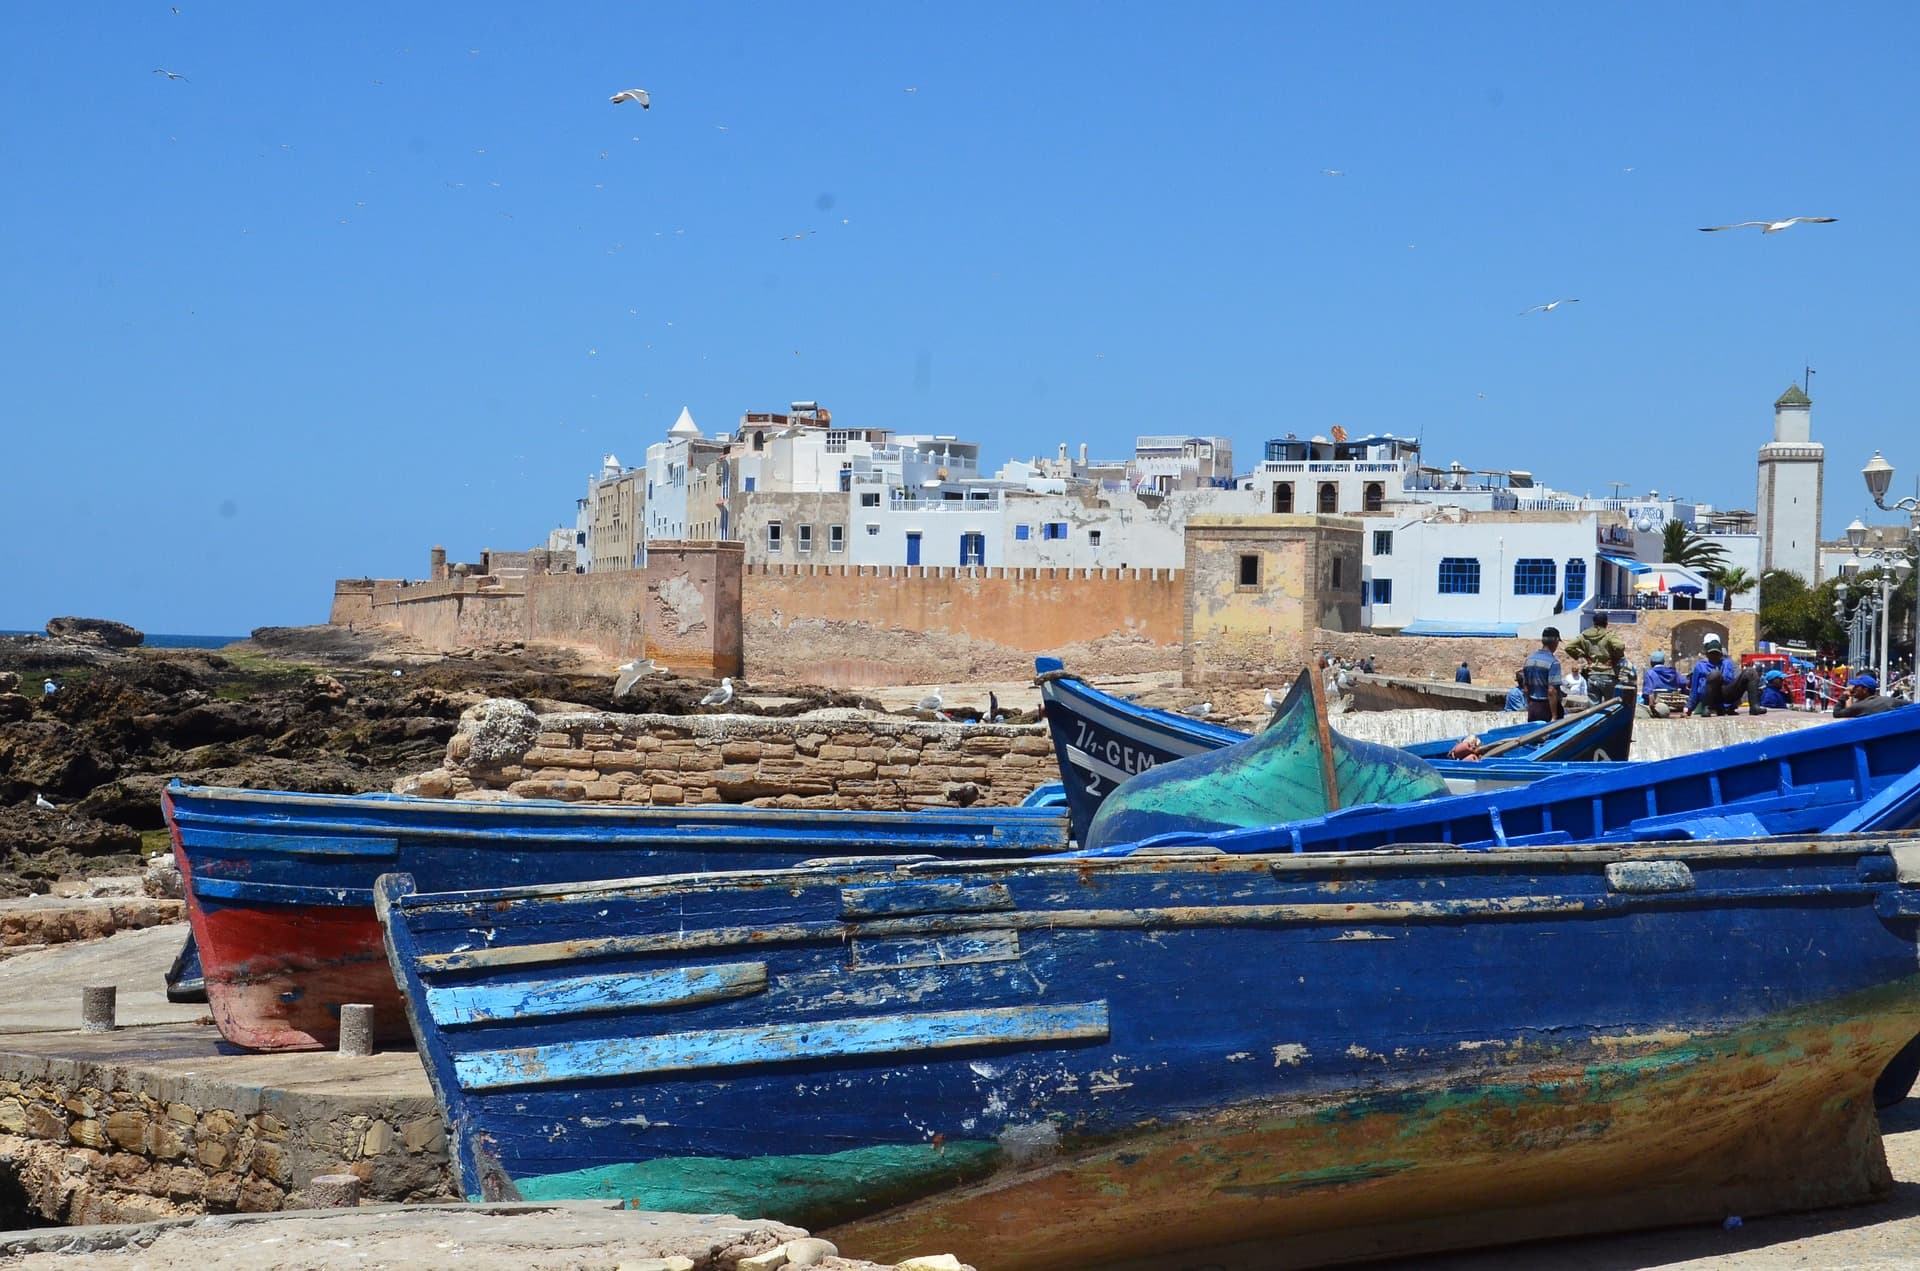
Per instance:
{"type": "Point", "coordinates": [1792, 470]}
{"type": "Point", "coordinates": [1449, 571]}
{"type": "Point", "coordinates": [667, 463]}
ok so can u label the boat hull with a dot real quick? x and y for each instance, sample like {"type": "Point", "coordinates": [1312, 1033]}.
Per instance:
{"type": "Point", "coordinates": [279, 885]}
{"type": "Point", "coordinates": [1074, 1063]}
{"type": "Point", "coordinates": [1101, 740]}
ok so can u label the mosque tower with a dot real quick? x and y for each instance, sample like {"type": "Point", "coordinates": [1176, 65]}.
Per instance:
{"type": "Point", "coordinates": [1792, 469]}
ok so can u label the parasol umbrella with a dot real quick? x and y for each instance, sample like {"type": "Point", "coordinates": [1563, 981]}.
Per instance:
{"type": "Point", "coordinates": [1686, 589]}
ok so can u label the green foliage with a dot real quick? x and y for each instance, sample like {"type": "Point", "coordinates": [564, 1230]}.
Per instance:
{"type": "Point", "coordinates": [1735, 582]}
{"type": "Point", "coordinates": [1681, 546]}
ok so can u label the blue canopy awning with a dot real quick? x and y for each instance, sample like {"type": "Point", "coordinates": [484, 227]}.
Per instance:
{"type": "Point", "coordinates": [1631, 566]}
{"type": "Point", "coordinates": [1430, 627]}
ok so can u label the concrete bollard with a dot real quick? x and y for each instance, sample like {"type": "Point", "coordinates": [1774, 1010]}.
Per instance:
{"type": "Point", "coordinates": [356, 1029]}
{"type": "Point", "coordinates": [333, 1191]}
{"type": "Point", "coordinates": [96, 1008]}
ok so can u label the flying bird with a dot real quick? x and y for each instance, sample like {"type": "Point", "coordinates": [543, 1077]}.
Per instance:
{"type": "Point", "coordinates": [632, 673]}
{"type": "Point", "coordinates": [169, 74]}
{"type": "Point", "coordinates": [719, 696]}
{"type": "Point", "coordinates": [43, 803]}
{"type": "Point", "coordinates": [633, 95]}
{"type": "Point", "coordinates": [801, 234]}
{"type": "Point", "coordinates": [1332, 172]}
{"type": "Point", "coordinates": [1771, 227]}
{"type": "Point", "coordinates": [1550, 306]}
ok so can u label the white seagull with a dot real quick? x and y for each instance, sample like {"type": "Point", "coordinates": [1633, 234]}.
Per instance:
{"type": "Point", "coordinates": [1272, 702]}
{"type": "Point", "coordinates": [719, 696]}
{"type": "Point", "coordinates": [1770, 227]}
{"type": "Point", "coordinates": [43, 803]}
{"type": "Point", "coordinates": [633, 95]}
{"type": "Point", "coordinates": [1201, 711]}
{"type": "Point", "coordinates": [169, 74]}
{"type": "Point", "coordinates": [632, 673]}
{"type": "Point", "coordinates": [1550, 306]}
{"type": "Point", "coordinates": [931, 703]}
{"type": "Point", "coordinates": [1332, 172]}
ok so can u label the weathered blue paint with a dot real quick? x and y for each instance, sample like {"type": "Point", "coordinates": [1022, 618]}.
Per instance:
{"type": "Point", "coordinates": [1101, 740]}
{"type": "Point", "coordinates": [1795, 782]}
{"type": "Point", "coordinates": [591, 994]}
{"type": "Point", "coordinates": [775, 1044]}
{"type": "Point", "coordinates": [1249, 1000]}
{"type": "Point", "coordinates": [1296, 767]}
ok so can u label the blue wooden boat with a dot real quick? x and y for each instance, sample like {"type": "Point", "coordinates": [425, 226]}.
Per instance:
{"type": "Point", "coordinates": [1101, 740]}
{"type": "Point", "coordinates": [279, 885]}
{"type": "Point", "coordinates": [1288, 1059]}
{"type": "Point", "coordinates": [1297, 767]}
{"type": "Point", "coordinates": [1798, 782]}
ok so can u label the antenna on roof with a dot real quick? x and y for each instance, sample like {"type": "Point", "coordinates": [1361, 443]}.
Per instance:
{"type": "Point", "coordinates": [1806, 385]}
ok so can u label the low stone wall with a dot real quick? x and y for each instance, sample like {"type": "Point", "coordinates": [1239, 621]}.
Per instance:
{"type": "Point", "coordinates": [38, 921]}
{"type": "Point", "coordinates": [91, 1142]}
{"type": "Point", "coordinates": [809, 762]}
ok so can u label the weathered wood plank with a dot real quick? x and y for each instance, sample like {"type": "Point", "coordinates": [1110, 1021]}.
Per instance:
{"type": "Point", "coordinates": [456, 1006]}
{"type": "Point", "coordinates": [781, 1043]}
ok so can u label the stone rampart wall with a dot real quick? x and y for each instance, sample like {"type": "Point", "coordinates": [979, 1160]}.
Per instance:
{"type": "Point", "coordinates": [850, 625]}
{"type": "Point", "coordinates": [1494, 660]}
{"type": "Point", "coordinates": [855, 763]}
{"type": "Point", "coordinates": [606, 612]}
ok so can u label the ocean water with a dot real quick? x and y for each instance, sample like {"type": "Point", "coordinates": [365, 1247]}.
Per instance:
{"type": "Point", "coordinates": [168, 641]}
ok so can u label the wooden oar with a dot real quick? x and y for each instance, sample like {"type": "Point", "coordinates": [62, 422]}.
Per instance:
{"type": "Point", "coordinates": [1500, 748]}
{"type": "Point", "coordinates": [1323, 731]}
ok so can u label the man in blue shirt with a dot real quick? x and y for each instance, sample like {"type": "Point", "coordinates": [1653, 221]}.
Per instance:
{"type": "Point", "coordinates": [1713, 688]}
{"type": "Point", "coordinates": [1540, 677]}
{"type": "Point", "coordinates": [1517, 695]}
{"type": "Point", "coordinates": [1461, 675]}
{"type": "Point", "coordinates": [1660, 678]}
{"type": "Point", "coordinates": [1773, 693]}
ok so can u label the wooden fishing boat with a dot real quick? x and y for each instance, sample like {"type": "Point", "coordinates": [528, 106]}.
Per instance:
{"type": "Point", "coordinates": [1788, 783]}
{"type": "Point", "coordinates": [1101, 740]}
{"type": "Point", "coordinates": [1280, 1059]}
{"type": "Point", "coordinates": [279, 886]}
{"type": "Point", "coordinates": [1297, 767]}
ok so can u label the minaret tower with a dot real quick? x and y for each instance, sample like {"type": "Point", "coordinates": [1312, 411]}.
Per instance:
{"type": "Point", "coordinates": [1792, 469]}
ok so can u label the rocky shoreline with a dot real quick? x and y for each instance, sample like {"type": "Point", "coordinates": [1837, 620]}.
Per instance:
{"type": "Point", "coordinates": [321, 709]}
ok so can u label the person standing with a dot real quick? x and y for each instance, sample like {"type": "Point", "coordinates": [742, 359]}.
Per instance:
{"type": "Point", "coordinates": [1715, 689]}
{"type": "Point", "coordinates": [1576, 683]}
{"type": "Point", "coordinates": [1603, 651]}
{"type": "Point", "coordinates": [1540, 676]}
{"type": "Point", "coordinates": [1461, 674]}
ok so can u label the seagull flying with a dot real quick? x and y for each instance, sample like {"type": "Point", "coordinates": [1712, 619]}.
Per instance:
{"type": "Point", "coordinates": [1550, 306]}
{"type": "Point", "coordinates": [1771, 227]}
{"type": "Point", "coordinates": [719, 696]}
{"type": "Point", "coordinates": [632, 673]}
{"type": "Point", "coordinates": [633, 95]}
{"type": "Point", "coordinates": [802, 234]}
{"type": "Point", "coordinates": [169, 74]}
{"type": "Point", "coordinates": [1332, 172]}
{"type": "Point", "coordinates": [43, 803]}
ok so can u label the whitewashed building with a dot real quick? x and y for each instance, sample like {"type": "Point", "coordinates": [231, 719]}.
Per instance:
{"type": "Point", "coordinates": [1792, 476]}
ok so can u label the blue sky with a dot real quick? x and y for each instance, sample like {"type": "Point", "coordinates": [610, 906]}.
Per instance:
{"type": "Point", "coordinates": [364, 282]}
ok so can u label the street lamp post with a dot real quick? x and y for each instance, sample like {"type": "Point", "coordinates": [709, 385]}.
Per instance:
{"type": "Point", "coordinates": [1879, 475]}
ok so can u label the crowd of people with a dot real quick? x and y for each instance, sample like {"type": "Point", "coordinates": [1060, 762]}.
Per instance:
{"type": "Point", "coordinates": [1596, 670]}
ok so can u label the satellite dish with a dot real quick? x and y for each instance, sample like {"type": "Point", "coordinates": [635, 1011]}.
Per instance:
{"type": "Point", "coordinates": [1644, 525]}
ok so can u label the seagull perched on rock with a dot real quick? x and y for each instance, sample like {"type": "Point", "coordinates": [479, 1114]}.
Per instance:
{"type": "Point", "coordinates": [719, 696]}
{"type": "Point", "coordinates": [1272, 703]}
{"type": "Point", "coordinates": [632, 673]}
{"type": "Point", "coordinates": [931, 703]}
{"type": "Point", "coordinates": [1770, 227]}
{"type": "Point", "coordinates": [43, 803]}
{"type": "Point", "coordinates": [1550, 306]}
{"type": "Point", "coordinates": [169, 74]}
{"type": "Point", "coordinates": [633, 95]}
{"type": "Point", "coordinates": [1201, 711]}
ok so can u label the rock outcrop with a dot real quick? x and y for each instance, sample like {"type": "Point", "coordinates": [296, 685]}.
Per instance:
{"type": "Point", "coordinates": [115, 635]}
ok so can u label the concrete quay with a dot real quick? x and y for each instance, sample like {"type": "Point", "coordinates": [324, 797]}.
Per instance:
{"type": "Point", "coordinates": [160, 1118]}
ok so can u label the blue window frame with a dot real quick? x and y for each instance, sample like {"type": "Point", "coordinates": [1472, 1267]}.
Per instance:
{"type": "Point", "coordinates": [1023, 532]}
{"type": "Point", "coordinates": [1054, 529]}
{"type": "Point", "coordinates": [1459, 575]}
{"type": "Point", "coordinates": [1383, 591]}
{"type": "Point", "coordinates": [1576, 582]}
{"type": "Point", "coordinates": [747, 484]}
{"type": "Point", "coordinates": [1535, 576]}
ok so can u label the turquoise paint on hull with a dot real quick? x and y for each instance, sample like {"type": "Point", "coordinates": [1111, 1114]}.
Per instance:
{"type": "Point", "coordinates": [812, 1190]}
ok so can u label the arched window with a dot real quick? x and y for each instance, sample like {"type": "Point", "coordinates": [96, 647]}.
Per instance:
{"type": "Point", "coordinates": [1283, 496]}
{"type": "Point", "coordinates": [1375, 497]}
{"type": "Point", "coordinates": [1329, 497]}
{"type": "Point", "coordinates": [760, 441]}
{"type": "Point", "coordinates": [1576, 582]}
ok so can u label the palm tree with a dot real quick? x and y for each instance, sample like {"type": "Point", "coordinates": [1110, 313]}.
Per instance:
{"type": "Point", "coordinates": [1681, 546]}
{"type": "Point", "coordinates": [1731, 582]}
